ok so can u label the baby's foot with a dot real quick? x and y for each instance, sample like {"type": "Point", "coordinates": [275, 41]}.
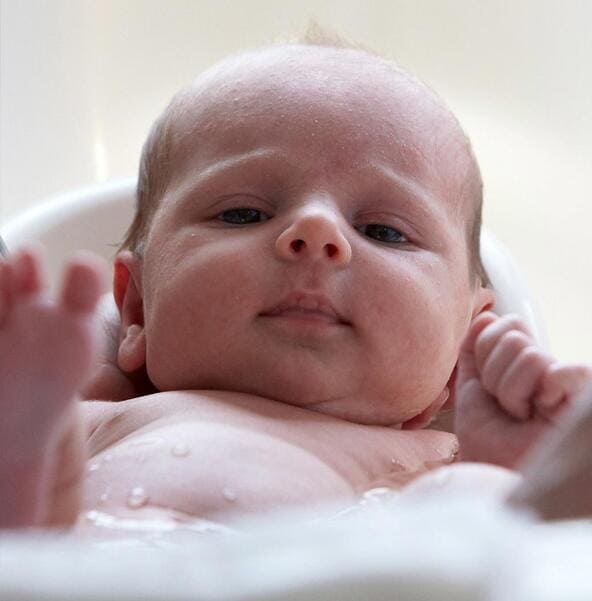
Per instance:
{"type": "Point", "coordinates": [47, 348]}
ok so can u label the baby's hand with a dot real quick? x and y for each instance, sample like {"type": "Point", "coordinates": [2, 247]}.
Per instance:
{"type": "Point", "coordinates": [509, 391]}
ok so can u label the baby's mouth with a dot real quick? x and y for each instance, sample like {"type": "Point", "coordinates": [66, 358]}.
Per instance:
{"type": "Point", "coordinates": [307, 307]}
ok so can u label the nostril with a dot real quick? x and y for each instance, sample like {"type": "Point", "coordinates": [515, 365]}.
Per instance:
{"type": "Point", "coordinates": [297, 245]}
{"type": "Point", "coordinates": [331, 250]}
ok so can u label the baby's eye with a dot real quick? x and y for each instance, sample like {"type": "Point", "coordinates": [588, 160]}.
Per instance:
{"type": "Point", "coordinates": [242, 216]}
{"type": "Point", "coordinates": [382, 233]}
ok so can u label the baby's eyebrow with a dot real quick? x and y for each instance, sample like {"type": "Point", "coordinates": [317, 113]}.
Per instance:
{"type": "Point", "coordinates": [409, 191]}
{"type": "Point", "coordinates": [232, 163]}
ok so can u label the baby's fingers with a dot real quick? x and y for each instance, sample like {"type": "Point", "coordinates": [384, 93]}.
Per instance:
{"type": "Point", "coordinates": [83, 283]}
{"type": "Point", "coordinates": [501, 358]}
{"type": "Point", "coordinates": [520, 381]}
{"type": "Point", "coordinates": [511, 367]}
{"type": "Point", "coordinates": [467, 365]}
{"type": "Point", "coordinates": [561, 382]}
{"type": "Point", "coordinates": [494, 332]}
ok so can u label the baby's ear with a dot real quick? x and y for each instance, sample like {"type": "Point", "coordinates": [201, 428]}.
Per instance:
{"type": "Point", "coordinates": [127, 290]}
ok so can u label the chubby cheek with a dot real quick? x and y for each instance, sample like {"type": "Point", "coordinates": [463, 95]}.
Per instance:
{"type": "Point", "coordinates": [189, 315]}
{"type": "Point", "coordinates": [420, 314]}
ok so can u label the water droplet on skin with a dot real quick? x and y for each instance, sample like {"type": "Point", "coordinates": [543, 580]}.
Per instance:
{"type": "Point", "coordinates": [93, 467]}
{"type": "Point", "coordinates": [138, 498]}
{"type": "Point", "coordinates": [397, 465]}
{"type": "Point", "coordinates": [105, 496]}
{"type": "Point", "coordinates": [180, 450]}
{"type": "Point", "coordinates": [229, 495]}
{"type": "Point", "coordinates": [377, 496]}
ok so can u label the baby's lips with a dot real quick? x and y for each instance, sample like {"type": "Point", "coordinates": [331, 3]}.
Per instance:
{"type": "Point", "coordinates": [307, 302]}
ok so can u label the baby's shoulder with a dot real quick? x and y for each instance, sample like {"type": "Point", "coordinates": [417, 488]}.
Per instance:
{"type": "Point", "coordinates": [107, 422]}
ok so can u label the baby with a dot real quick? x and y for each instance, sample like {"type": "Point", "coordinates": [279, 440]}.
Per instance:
{"type": "Point", "coordinates": [302, 288]}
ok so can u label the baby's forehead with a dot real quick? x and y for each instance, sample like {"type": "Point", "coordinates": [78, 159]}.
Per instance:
{"type": "Point", "coordinates": [341, 77]}
{"type": "Point", "coordinates": [359, 95]}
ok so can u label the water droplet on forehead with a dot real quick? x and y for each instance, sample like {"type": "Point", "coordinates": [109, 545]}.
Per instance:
{"type": "Point", "coordinates": [181, 449]}
{"type": "Point", "coordinates": [229, 494]}
{"type": "Point", "coordinates": [137, 498]}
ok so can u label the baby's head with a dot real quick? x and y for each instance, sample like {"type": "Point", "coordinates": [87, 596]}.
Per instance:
{"type": "Point", "coordinates": [307, 231]}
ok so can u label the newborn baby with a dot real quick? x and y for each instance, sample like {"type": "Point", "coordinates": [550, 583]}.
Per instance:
{"type": "Point", "coordinates": [297, 284]}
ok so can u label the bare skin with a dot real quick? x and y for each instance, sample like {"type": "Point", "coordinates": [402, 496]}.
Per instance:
{"type": "Point", "coordinates": [288, 456]}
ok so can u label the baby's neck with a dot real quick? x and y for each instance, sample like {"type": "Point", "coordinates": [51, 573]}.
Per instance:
{"type": "Point", "coordinates": [110, 383]}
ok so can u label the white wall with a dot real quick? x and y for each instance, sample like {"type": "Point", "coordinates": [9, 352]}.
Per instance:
{"type": "Point", "coordinates": [81, 81]}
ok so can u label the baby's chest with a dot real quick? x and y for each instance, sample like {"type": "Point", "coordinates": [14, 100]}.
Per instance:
{"type": "Point", "coordinates": [204, 468]}
{"type": "Point", "coordinates": [202, 456]}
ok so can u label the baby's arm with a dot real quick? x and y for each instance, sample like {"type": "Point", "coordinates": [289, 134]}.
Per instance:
{"type": "Point", "coordinates": [509, 391]}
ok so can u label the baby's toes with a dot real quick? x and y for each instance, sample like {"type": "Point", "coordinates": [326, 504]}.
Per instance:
{"type": "Point", "coordinates": [518, 385]}
{"type": "Point", "coordinates": [83, 283]}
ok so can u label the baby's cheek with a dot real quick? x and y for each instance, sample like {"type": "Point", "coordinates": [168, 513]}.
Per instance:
{"type": "Point", "coordinates": [430, 350]}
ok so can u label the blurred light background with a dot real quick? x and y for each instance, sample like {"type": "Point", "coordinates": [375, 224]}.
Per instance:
{"type": "Point", "coordinates": [82, 80]}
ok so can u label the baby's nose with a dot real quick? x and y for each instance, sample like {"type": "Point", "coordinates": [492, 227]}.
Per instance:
{"type": "Point", "coordinates": [314, 234]}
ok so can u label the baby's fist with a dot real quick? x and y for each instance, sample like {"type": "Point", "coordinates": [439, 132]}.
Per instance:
{"type": "Point", "coordinates": [510, 364]}
{"type": "Point", "coordinates": [511, 367]}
